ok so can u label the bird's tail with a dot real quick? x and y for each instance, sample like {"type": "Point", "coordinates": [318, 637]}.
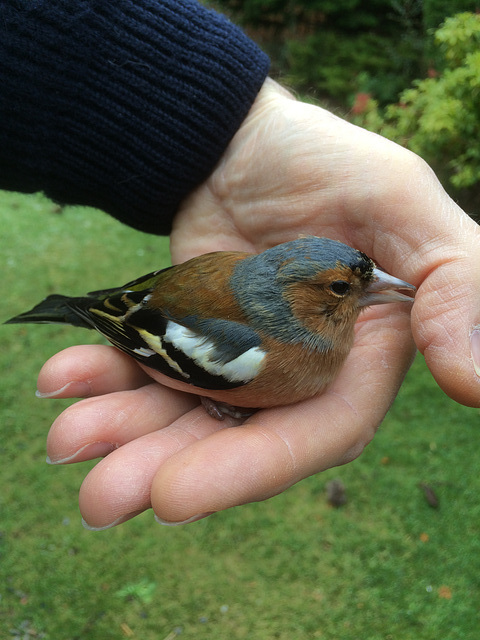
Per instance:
{"type": "Point", "coordinates": [55, 309]}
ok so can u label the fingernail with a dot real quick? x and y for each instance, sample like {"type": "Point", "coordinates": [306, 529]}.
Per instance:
{"type": "Point", "coordinates": [87, 452]}
{"type": "Point", "coordinates": [475, 348]}
{"type": "Point", "coordinates": [75, 389]}
{"type": "Point", "coordinates": [167, 523]}
{"type": "Point", "coordinates": [119, 520]}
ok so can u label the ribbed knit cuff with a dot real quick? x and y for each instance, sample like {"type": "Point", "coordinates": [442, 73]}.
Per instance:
{"type": "Point", "coordinates": [125, 106]}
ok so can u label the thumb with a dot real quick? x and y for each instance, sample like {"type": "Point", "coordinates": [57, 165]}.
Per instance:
{"type": "Point", "coordinates": [446, 321]}
{"type": "Point", "coordinates": [423, 237]}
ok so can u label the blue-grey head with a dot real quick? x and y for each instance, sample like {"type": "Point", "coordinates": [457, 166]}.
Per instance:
{"type": "Point", "coordinates": [311, 290]}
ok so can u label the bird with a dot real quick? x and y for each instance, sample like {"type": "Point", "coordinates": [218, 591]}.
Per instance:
{"type": "Point", "coordinates": [244, 331]}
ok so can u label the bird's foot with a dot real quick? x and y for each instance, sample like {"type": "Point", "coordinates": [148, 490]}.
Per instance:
{"type": "Point", "coordinates": [219, 410]}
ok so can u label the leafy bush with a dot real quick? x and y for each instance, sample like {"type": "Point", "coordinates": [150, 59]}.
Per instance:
{"type": "Point", "coordinates": [341, 14]}
{"type": "Point", "coordinates": [339, 65]}
{"type": "Point", "coordinates": [337, 47]}
{"type": "Point", "coordinates": [434, 14]}
{"type": "Point", "coordinates": [435, 11]}
{"type": "Point", "coordinates": [439, 118]}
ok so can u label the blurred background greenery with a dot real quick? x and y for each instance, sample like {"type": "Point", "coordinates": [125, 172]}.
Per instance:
{"type": "Point", "coordinates": [400, 560]}
{"type": "Point", "coordinates": [408, 69]}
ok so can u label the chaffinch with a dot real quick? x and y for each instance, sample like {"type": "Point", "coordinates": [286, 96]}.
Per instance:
{"type": "Point", "coordinates": [244, 331]}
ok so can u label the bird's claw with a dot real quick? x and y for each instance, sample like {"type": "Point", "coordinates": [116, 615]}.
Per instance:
{"type": "Point", "coordinates": [219, 410]}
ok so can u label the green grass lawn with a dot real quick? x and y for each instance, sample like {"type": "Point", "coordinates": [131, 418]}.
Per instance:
{"type": "Point", "coordinates": [386, 566]}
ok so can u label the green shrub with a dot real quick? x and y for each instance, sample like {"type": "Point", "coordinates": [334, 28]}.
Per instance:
{"type": "Point", "coordinates": [439, 118]}
{"type": "Point", "coordinates": [341, 14]}
{"type": "Point", "coordinates": [338, 65]}
{"type": "Point", "coordinates": [337, 47]}
{"type": "Point", "coordinates": [435, 11]}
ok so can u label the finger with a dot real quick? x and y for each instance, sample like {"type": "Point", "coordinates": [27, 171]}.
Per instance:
{"type": "Point", "coordinates": [278, 447]}
{"type": "Point", "coordinates": [119, 486]}
{"type": "Point", "coordinates": [445, 322]}
{"type": "Point", "coordinates": [426, 239]}
{"type": "Point", "coordinates": [96, 426]}
{"type": "Point", "coordinates": [89, 370]}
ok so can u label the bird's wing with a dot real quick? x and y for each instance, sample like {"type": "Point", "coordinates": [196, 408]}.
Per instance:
{"type": "Point", "coordinates": [212, 353]}
{"type": "Point", "coordinates": [208, 353]}
{"type": "Point", "coordinates": [143, 285]}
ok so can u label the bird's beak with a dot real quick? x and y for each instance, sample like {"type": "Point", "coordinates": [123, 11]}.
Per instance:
{"type": "Point", "coordinates": [385, 288]}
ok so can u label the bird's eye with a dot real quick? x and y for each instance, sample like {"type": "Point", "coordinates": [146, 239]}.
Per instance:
{"type": "Point", "coordinates": [340, 287]}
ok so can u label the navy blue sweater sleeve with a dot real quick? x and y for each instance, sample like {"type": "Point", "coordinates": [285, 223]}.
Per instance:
{"type": "Point", "coordinates": [125, 106]}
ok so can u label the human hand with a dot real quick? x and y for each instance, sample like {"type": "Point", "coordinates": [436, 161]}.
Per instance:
{"type": "Point", "coordinates": [291, 169]}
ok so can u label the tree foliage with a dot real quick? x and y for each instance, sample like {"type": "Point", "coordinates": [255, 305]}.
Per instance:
{"type": "Point", "coordinates": [349, 52]}
{"type": "Point", "coordinates": [435, 11]}
{"type": "Point", "coordinates": [439, 117]}
{"type": "Point", "coordinates": [337, 47]}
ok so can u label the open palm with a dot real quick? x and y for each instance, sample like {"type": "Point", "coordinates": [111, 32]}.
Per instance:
{"type": "Point", "coordinates": [292, 169]}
